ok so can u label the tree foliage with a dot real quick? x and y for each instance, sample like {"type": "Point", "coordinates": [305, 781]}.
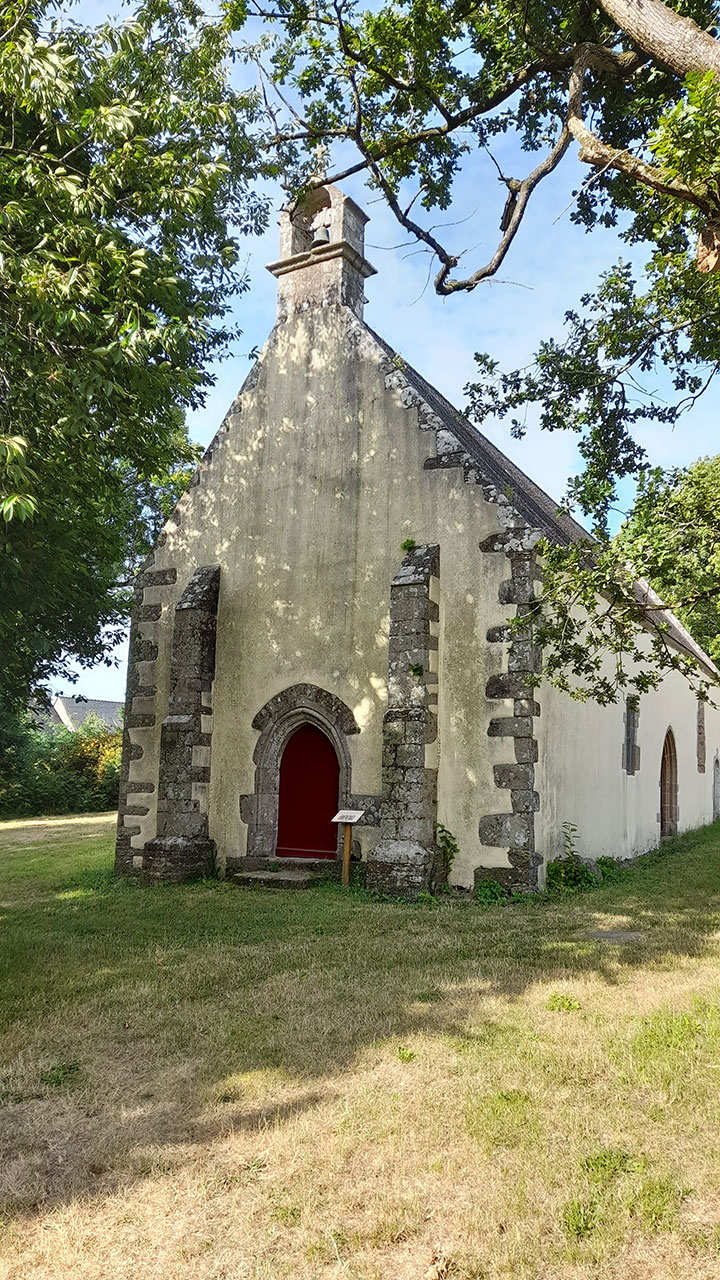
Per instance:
{"type": "Point", "coordinates": [52, 770]}
{"type": "Point", "coordinates": [673, 532]}
{"type": "Point", "coordinates": [127, 163]}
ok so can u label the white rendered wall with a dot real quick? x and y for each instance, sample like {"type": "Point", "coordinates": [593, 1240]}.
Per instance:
{"type": "Point", "coordinates": [581, 779]}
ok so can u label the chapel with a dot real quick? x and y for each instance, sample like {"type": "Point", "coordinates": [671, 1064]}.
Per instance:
{"type": "Point", "coordinates": [322, 625]}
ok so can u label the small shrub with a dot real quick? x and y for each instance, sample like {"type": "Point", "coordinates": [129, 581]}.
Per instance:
{"type": "Point", "coordinates": [562, 1003]}
{"type": "Point", "coordinates": [405, 1054]}
{"type": "Point", "coordinates": [416, 669]}
{"type": "Point", "coordinates": [580, 1218]}
{"type": "Point", "coordinates": [408, 545]}
{"type": "Point", "coordinates": [611, 870]}
{"type": "Point", "coordinates": [426, 898]}
{"type": "Point", "coordinates": [568, 873]}
{"type": "Point", "coordinates": [489, 892]}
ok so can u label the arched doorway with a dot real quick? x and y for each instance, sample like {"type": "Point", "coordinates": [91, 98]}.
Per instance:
{"type": "Point", "coordinates": [668, 787]}
{"type": "Point", "coordinates": [309, 788]}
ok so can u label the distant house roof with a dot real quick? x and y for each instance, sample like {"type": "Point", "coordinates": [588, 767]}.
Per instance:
{"type": "Point", "coordinates": [73, 711]}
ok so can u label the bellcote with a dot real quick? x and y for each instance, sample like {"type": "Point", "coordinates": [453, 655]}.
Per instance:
{"type": "Point", "coordinates": [322, 253]}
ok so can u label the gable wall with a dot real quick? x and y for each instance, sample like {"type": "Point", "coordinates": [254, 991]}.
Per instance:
{"type": "Point", "coordinates": [313, 483]}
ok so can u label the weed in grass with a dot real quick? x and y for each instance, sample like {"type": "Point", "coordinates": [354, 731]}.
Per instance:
{"type": "Point", "coordinates": [248, 1172]}
{"type": "Point", "coordinates": [501, 1119]}
{"type": "Point", "coordinates": [154, 1167]}
{"type": "Point", "coordinates": [657, 1204]}
{"type": "Point", "coordinates": [464, 1266]}
{"type": "Point", "coordinates": [392, 1230]}
{"type": "Point", "coordinates": [426, 899]}
{"type": "Point", "coordinates": [488, 893]}
{"type": "Point", "coordinates": [562, 1003]}
{"type": "Point", "coordinates": [60, 1074]}
{"type": "Point", "coordinates": [667, 1045]}
{"type": "Point", "coordinates": [285, 1213]}
{"type": "Point", "coordinates": [329, 1247]}
{"type": "Point", "coordinates": [580, 1218]}
{"type": "Point", "coordinates": [607, 1164]}
{"type": "Point", "coordinates": [405, 1054]}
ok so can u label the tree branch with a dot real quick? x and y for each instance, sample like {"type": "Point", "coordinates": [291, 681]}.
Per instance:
{"type": "Point", "coordinates": [675, 42]}
{"type": "Point", "coordinates": [595, 152]}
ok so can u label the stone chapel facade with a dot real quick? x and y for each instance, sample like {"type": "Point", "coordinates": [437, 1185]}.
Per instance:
{"type": "Point", "coordinates": [322, 624]}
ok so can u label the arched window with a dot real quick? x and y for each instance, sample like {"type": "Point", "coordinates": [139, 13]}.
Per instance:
{"type": "Point", "coordinates": [668, 787]}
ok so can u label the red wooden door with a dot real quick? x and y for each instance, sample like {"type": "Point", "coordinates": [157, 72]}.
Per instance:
{"type": "Point", "coordinates": [309, 786]}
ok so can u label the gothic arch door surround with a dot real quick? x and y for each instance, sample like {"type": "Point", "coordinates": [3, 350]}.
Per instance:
{"type": "Point", "coordinates": [668, 787]}
{"type": "Point", "coordinates": [308, 800]}
{"type": "Point", "coordinates": [296, 711]}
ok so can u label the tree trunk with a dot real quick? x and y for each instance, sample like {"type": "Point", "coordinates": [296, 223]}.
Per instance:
{"type": "Point", "coordinates": [674, 42]}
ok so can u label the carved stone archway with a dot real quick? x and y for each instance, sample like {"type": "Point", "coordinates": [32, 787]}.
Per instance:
{"type": "Point", "coordinates": [277, 721]}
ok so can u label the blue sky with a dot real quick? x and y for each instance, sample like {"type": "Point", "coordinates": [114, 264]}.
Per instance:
{"type": "Point", "coordinates": [551, 263]}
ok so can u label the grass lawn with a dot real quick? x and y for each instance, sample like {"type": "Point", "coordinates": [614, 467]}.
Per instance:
{"type": "Point", "coordinates": [211, 1083]}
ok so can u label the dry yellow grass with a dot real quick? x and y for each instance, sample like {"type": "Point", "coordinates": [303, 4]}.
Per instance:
{"type": "Point", "coordinates": [207, 1083]}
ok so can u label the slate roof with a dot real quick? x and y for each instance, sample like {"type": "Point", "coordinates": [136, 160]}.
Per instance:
{"type": "Point", "coordinates": [529, 500]}
{"type": "Point", "coordinates": [76, 710]}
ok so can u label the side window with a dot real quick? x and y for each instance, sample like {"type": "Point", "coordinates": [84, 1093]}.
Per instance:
{"type": "Point", "coordinates": [631, 750]}
{"type": "Point", "coordinates": [701, 745]}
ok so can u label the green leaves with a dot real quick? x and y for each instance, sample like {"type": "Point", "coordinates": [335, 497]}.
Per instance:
{"type": "Point", "coordinates": [127, 160]}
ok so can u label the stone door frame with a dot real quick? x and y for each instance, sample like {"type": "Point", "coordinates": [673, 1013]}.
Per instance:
{"type": "Point", "coordinates": [299, 705]}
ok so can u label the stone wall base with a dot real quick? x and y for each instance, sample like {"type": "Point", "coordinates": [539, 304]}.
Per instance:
{"type": "Point", "coordinates": [403, 868]}
{"type": "Point", "coordinates": [174, 859]}
{"type": "Point", "coordinates": [521, 877]}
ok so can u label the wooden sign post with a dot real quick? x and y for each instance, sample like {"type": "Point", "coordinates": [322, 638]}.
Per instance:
{"type": "Point", "coordinates": [348, 818]}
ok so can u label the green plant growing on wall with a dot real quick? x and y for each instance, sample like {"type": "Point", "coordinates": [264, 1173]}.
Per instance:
{"type": "Point", "coordinates": [568, 873]}
{"type": "Point", "coordinates": [408, 545]}
{"type": "Point", "coordinates": [448, 847]}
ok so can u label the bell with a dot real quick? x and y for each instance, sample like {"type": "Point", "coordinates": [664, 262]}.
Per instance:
{"type": "Point", "coordinates": [321, 235]}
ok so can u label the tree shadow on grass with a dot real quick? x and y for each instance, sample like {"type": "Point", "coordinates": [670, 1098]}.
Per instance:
{"type": "Point", "coordinates": [166, 1000]}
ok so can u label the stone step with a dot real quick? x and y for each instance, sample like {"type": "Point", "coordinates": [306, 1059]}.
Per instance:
{"type": "Point", "coordinates": [294, 873]}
